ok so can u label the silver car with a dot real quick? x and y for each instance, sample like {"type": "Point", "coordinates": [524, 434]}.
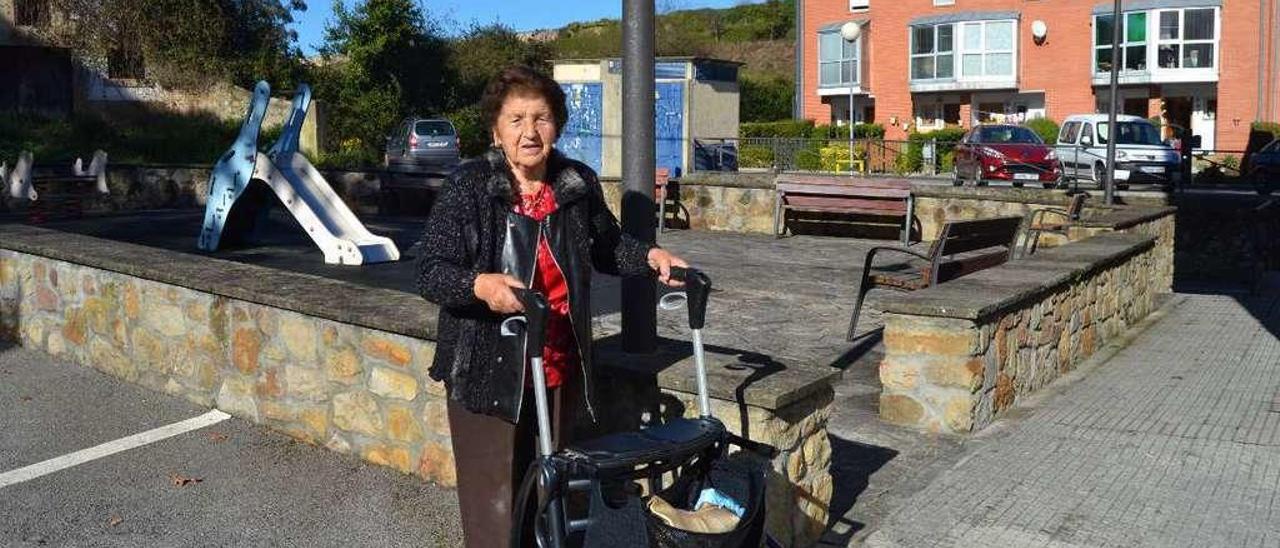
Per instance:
{"type": "Point", "coordinates": [1141, 157]}
{"type": "Point", "coordinates": [425, 146]}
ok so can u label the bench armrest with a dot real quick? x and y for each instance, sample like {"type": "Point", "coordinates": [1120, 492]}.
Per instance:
{"type": "Point", "coordinates": [871, 254]}
{"type": "Point", "coordinates": [1038, 214]}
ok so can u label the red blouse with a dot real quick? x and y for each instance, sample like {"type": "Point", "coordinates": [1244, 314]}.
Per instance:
{"type": "Point", "coordinates": [560, 355]}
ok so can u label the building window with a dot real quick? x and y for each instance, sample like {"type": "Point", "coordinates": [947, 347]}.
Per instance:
{"type": "Point", "coordinates": [1187, 38]}
{"type": "Point", "coordinates": [837, 60]}
{"type": "Point", "coordinates": [986, 49]}
{"type": "Point", "coordinates": [937, 115]}
{"type": "Point", "coordinates": [1133, 42]}
{"type": "Point", "coordinates": [944, 2]}
{"type": "Point", "coordinates": [859, 5]}
{"type": "Point", "coordinates": [31, 13]}
{"type": "Point", "coordinates": [933, 52]}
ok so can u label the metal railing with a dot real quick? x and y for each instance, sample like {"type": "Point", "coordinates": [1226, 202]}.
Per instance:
{"type": "Point", "coordinates": [830, 155]}
{"type": "Point", "coordinates": [874, 156]}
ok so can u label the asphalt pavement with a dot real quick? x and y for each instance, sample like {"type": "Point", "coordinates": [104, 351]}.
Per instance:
{"type": "Point", "coordinates": [226, 484]}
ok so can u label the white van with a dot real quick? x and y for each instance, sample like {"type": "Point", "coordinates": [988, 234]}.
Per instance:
{"type": "Point", "coordinates": [1141, 157]}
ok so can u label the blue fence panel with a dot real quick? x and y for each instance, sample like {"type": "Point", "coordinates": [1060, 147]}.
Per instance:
{"type": "Point", "coordinates": [669, 119]}
{"type": "Point", "coordinates": [583, 135]}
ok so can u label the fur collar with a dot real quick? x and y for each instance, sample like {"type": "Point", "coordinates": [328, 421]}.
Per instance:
{"type": "Point", "coordinates": [567, 176]}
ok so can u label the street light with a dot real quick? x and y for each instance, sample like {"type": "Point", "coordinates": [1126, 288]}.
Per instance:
{"type": "Point", "coordinates": [850, 32]}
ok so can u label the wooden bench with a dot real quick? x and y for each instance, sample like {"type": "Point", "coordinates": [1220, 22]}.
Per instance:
{"type": "Point", "coordinates": [1063, 220]}
{"type": "Point", "coordinates": [963, 247]}
{"type": "Point", "coordinates": [862, 196]}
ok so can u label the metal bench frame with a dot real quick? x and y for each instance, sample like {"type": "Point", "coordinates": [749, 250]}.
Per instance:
{"type": "Point", "coordinates": [1036, 224]}
{"type": "Point", "coordinates": [983, 243]}
{"type": "Point", "coordinates": [864, 196]}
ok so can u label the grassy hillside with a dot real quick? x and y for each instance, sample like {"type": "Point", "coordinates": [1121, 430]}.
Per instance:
{"type": "Point", "coordinates": [759, 35]}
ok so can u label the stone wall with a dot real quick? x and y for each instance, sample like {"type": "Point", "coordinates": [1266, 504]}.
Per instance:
{"type": "Point", "coordinates": [351, 389]}
{"type": "Point", "coordinates": [960, 353]}
{"type": "Point", "coordinates": [345, 367]}
{"type": "Point", "coordinates": [937, 205]}
{"type": "Point", "coordinates": [138, 187]}
{"type": "Point", "coordinates": [714, 201]}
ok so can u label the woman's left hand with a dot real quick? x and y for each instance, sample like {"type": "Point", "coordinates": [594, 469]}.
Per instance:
{"type": "Point", "coordinates": [662, 260]}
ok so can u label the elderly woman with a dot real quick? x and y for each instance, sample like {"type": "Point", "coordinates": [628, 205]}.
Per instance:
{"type": "Point", "coordinates": [523, 215]}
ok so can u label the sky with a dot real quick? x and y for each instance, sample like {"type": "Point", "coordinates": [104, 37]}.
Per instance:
{"type": "Point", "coordinates": [517, 14]}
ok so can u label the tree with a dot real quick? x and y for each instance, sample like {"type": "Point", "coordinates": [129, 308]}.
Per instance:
{"type": "Point", "coordinates": [390, 44]}
{"type": "Point", "coordinates": [765, 99]}
{"type": "Point", "coordinates": [485, 50]}
{"type": "Point", "coordinates": [185, 43]}
{"type": "Point", "coordinates": [383, 60]}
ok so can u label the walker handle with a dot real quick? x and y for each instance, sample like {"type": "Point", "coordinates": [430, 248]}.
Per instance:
{"type": "Point", "coordinates": [535, 312]}
{"type": "Point", "coordinates": [697, 287]}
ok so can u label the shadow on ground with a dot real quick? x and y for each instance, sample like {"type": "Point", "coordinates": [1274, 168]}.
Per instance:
{"type": "Point", "coordinates": [852, 465]}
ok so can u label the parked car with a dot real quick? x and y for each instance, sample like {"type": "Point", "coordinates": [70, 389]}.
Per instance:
{"type": "Point", "coordinates": [1004, 152]}
{"type": "Point", "coordinates": [1141, 157]}
{"type": "Point", "coordinates": [1264, 168]}
{"type": "Point", "coordinates": [422, 146]}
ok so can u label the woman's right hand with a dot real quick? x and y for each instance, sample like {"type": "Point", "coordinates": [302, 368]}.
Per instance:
{"type": "Point", "coordinates": [495, 291]}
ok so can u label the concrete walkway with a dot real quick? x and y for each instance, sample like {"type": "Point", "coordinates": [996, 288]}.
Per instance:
{"type": "Point", "coordinates": [1173, 441]}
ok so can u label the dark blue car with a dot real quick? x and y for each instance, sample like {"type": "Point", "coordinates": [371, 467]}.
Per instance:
{"type": "Point", "coordinates": [1265, 168]}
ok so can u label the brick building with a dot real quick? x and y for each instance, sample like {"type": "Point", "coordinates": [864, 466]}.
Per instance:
{"type": "Point", "coordinates": [1210, 65]}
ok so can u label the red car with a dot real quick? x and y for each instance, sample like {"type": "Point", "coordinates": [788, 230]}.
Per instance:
{"type": "Point", "coordinates": [1000, 152]}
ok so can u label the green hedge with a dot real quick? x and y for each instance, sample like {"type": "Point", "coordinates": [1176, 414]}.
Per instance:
{"type": "Point", "coordinates": [911, 160]}
{"type": "Point", "coordinates": [1046, 128]}
{"type": "Point", "coordinates": [1268, 127]}
{"type": "Point", "coordinates": [795, 129]}
{"type": "Point", "coordinates": [806, 129]}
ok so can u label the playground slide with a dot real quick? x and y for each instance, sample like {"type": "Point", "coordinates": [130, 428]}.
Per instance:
{"type": "Point", "coordinates": [322, 214]}
{"type": "Point", "coordinates": [327, 220]}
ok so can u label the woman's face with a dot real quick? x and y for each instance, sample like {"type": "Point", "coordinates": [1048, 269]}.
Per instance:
{"type": "Point", "coordinates": [526, 130]}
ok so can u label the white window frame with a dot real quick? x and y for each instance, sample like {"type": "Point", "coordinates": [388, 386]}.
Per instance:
{"type": "Point", "coordinates": [1125, 44]}
{"type": "Point", "coordinates": [856, 69]}
{"type": "Point", "coordinates": [935, 54]}
{"type": "Point", "coordinates": [983, 51]}
{"type": "Point", "coordinates": [1182, 42]}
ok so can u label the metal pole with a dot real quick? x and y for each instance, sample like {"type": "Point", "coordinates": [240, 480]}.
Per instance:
{"type": "Point", "coordinates": [851, 172]}
{"type": "Point", "coordinates": [1109, 192]}
{"type": "Point", "coordinates": [639, 296]}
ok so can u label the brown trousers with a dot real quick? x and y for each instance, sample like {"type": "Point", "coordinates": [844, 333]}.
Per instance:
{"type": "Point", "coordinates": [492, 456]}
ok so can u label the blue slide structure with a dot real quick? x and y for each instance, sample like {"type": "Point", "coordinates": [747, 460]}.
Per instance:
{"type": "Point", "coordinates": [302, 190]}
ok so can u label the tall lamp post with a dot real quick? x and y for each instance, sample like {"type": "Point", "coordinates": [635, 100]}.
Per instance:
{"type": "Point", "coordinates": [850, 32]}
{"type": "Point", "coordinates": [1109, 191]}
{"type": "Point", "coordinates": [639, 296]}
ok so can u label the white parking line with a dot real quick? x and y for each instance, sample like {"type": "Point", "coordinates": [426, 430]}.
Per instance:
{"type": "Point", "coordinates": [110, 448]}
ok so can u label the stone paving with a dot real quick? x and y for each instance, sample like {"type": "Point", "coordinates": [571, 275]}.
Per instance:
{"type": "Point", "coordinates": [1173, 441]}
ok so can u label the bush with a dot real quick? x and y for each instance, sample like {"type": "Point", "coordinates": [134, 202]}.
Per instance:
{"type": "Point", "coordinates": [473, 136]}
{"type": "Point", "coordinates": [794, 129]}
{"type": "Point", "coordinates": [805, 129]}
{"type": "Point", "coordinates": [835, 156]}
{"type": "Point", "coordinates": [861, 131]}
{"type": "Point", "coordinates": [766, 99]}
{"type": "Point", "coordinates": [1231, 163]}
{"type": "Point", "coordinates": [1046, 128]}
{"type": "Point", "coordinates": [1268, 127]}
{"type": "Point", "coordinates": [755, 156]}
{"type": "Point", "coordinates": [150, 137]}
{"type": "Point", "coordinates": [911, 160]}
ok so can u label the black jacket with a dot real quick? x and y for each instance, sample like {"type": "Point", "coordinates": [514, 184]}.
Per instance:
{"type": "Point", "coordinates": [470, 227]}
